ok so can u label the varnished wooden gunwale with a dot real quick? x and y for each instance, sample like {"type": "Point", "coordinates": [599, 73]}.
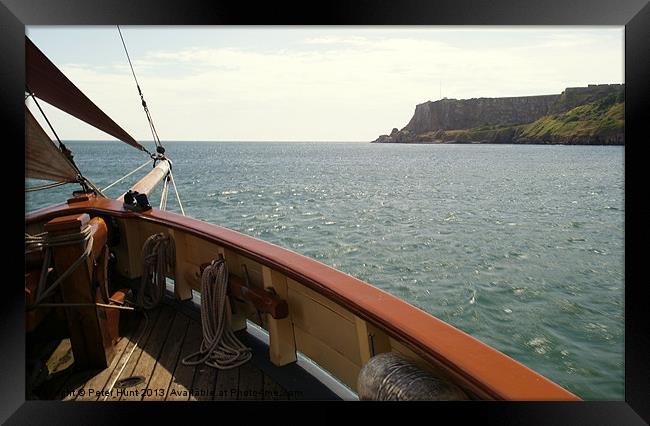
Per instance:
{"type": "Point", "coordinates": [489, 373]}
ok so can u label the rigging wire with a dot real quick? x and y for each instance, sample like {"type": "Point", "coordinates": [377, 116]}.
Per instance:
{"type": "Point", "coordinates": [62, 146]}
{"type": "Point", "coordinates": [176, 192]}
{"type": "Point", "coordinates": [81, 179]}
{"type": "Point", "coordinates": [163, 195]}
{"type": "Point", "coordinates": [126, 176]}
{"type": "Point", "coordinates": [159, 147]}
{"type": "Point", "coordinates": [46, 186]}
{"type": "Point", "coordinates": [152, 127]}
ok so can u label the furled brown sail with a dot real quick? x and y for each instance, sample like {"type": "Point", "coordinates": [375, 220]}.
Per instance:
{"type": "Point", "coordinates": [48, 83]}
{"type": "Point", "coordinates": [43, 160]}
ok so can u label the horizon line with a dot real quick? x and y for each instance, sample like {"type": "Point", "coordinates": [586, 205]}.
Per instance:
{"type": "Point", "coordinates": [226, 141]}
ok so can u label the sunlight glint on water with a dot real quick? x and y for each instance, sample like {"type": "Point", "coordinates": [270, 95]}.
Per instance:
{"type": "Point", "coordinates": [519, 246]}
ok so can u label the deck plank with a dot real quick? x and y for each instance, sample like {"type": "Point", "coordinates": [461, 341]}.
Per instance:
{"type": "Point", "coordinates": [75, 383]}
{"type": "Point", "coordinates": [61, 358]}
{"type": "Point", "coordinates": [164, 340]}
{"type": "Point", "coordinates": [227, 384]}
{"type": "Point", "coordinates": [149, 355]}
{"type": "Point", "coordinates": [273, 391]}
{"type": "Point", "coordinates": [53, 387]}
{"type": "Point", "coordinates": [183, 375]}
{"type": "Point", "coordinates": [60, 367]}
{"type": "Point", "coordinates": [163, 372]}
{"type": "Point", "coordinates": [139, 341]}
{"type": "Point", "coordinates": [205, 378]}
{"type": "Point", "coordinates": [251, 383]}
{"type": "Point", "coordinates": [93, 387]}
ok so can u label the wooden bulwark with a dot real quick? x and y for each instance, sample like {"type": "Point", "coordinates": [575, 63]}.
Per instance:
{"type": "Point", "coordinates": [337, 320]}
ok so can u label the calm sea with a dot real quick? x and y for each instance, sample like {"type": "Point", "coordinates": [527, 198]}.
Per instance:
{"type": "Point", "coordinates": [520, 246]}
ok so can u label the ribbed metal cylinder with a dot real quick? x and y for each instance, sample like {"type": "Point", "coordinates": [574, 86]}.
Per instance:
{"type": "Point", "coordinates": [388, 377]}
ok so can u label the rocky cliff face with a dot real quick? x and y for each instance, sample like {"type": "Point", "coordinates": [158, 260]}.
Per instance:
{"type": "Point", "coordinates": [503, 120]}
{"type": "Point", "coordinates": [449, 114]}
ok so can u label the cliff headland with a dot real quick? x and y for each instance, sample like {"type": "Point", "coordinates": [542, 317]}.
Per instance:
{"type": "Point", "coordinates": [592, 115]}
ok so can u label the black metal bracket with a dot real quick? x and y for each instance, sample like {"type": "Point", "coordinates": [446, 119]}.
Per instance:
{"type": "Point", "coordinates": [135, 201]}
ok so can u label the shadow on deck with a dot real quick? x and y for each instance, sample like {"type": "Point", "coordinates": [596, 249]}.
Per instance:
{"type": "Point", "coordinates": [167, 335]}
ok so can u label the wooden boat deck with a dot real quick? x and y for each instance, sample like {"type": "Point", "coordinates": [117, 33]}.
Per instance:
{"type": "Point", "coordinates": [165, 337]}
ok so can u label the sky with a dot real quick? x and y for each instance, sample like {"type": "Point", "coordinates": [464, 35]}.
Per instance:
{"type": "Point", "coordinates": [311, 83]}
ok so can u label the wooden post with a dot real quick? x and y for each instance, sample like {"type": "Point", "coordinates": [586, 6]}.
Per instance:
{"type": "Point", "coordinates": [235, 310]}
{"type": "Point", "coordinates": [371, 340]}
{"type": "Point", "coordinates": [282, 345]}
{"type": "Point", "coordinates": [365, 346]}
{"type": "Point", "coordinates": [182, 287]}
{"type": "Point", "coordinates": [92, 345]}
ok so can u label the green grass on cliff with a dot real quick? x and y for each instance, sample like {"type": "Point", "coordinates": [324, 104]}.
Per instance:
{"type": "Point", "coordinates": [602, 117]}
{"type": "Point", "coordinates": [499, 133]}
{"type": "Point", "coordinates": [601, 120]}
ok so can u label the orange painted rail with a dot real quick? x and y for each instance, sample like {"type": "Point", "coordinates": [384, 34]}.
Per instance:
{"type": "Point", "coordinates": [490, 373]}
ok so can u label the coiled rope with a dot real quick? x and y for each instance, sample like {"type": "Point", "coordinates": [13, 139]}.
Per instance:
{"type": "Point", "coordinates": [47, 241]}
{"type": "Point", "coordinates": [220, 347]}
{"type": "Point", "coordinates": [158, 259]}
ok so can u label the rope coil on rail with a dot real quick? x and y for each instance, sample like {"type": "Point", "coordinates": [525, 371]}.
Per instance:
{"type": "Point", "coordinates": [220, 347]}
{"type": "Point", "coordinates": [47, 241]}
{"type": "Point", "coordinates": [158, 259]}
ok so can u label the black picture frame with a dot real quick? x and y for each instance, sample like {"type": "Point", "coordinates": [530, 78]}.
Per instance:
{"type": "Point", "coordinates": [633, 14]}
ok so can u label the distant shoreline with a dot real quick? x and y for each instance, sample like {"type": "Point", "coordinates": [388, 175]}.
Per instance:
{"type": "Point", "coordinates": [501, 143]}
{"type": "Point", "coordinates": [592, 115]}
{"type": "Point", "coordinates": [344, 142]}
{"type": "Point", "coordinates": [205, 141]}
